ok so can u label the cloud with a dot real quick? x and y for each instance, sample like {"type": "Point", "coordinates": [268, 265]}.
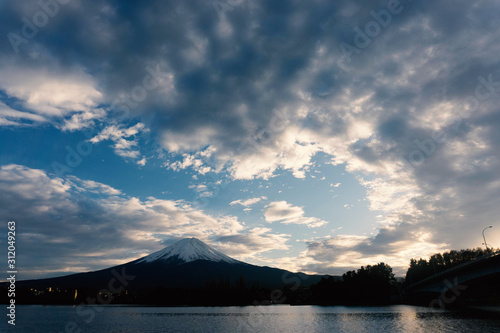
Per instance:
{"type": "Point", "coordinates": [269, 88]}
{"type": "Point", "coordinates": [391, 245]}
{"type": "Point", "coordinates": [256, 241]}
{"type": "Point", "coordinates": [203, 190]}
{"type": "Point", "coordinates": [194, 161]}
{"type": "Point", "coordinates": [142, 161]}
{"type": "Point", "coordinates": [11, 117]}
{"type": "Point", "coordinates": [119, 135]}
{"type": "Point", "coordinates": [283, 212]}
{"type": "Point", "coordinates": [44, 94]}
{"type": "Point", "coordinates": [248, 202]}
{"type": "Point", "coordinates": [115, 226]}
{"type": "Point", "coordinates": [92, 186]}
{"type": "Point", "coordinates": [79, 121]}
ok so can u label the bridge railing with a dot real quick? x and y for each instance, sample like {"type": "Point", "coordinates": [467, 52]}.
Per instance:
{"type": "Point", "coordinates": [454, 268]}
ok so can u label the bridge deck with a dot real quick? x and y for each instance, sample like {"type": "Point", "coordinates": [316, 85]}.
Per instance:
{"type": "Point", "coordinates": [493, 257]}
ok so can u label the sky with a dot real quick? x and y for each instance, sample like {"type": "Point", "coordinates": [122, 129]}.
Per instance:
{"type": "Point", "coordinates": [314, 136]}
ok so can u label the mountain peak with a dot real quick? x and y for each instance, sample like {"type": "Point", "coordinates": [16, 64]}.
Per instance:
{"type": "Point", "coordinates": [187, 250]}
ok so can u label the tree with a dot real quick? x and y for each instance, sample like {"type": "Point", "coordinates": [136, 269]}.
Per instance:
{"type": "Point", "coordinates": [438, 262]}
{"type": "Point", "coordinates": [367, 285]}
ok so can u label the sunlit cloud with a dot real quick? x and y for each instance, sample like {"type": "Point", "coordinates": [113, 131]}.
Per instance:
{"type": "Point", "coordinates": [284, 212]}
{"type": "Point", "coordinates": [119, 227]}
{"type": "Point", "coordinates": [258, 97]}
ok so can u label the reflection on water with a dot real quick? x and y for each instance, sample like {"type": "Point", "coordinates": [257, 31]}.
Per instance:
{"type": "Point", "coordinates": [400, 318]}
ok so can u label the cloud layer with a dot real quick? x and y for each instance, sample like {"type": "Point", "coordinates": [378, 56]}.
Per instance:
{"type": "Point", "coordinates": [258, 91]}
{"type": "Point", "coordinates": [73, 225]}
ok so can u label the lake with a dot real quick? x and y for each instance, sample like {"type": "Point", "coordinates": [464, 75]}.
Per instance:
{"type": "Point", "coordinates": [280, 318]}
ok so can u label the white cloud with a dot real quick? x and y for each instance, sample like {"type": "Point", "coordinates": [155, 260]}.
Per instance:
{"type": "Point", "coordinates": [283, 212]}
{"type": "Point", "coordinates": [62, 212]}
{"type": "Point", "coordinates": [93, 186]}
{"type": "Point", "coordinates": [250, 245]}
{"type": "Point", "coordinates": [11, 117]}
{"type": "Point", "coordinates": [50, 92]}
{"type": "Point", "coordinates": [66, 98]}
{"type": "Point", "coordinates": [248, 202]}
{"type": "Point", "coordinates": [123, 146]}
{"type": "Point", "coordinates": [79, 121]}
{"type": "Point", "coordinates": [142, 162]}
{"type": "Point", "coordinates": [194, 161]}
{"type": "Point", "coordinates": [291, 149]}
{"type": "Point", "coordinates": [31, 184]}
{"type": "Point", "coordinates": [195, 139]}
{"type": "Point", "coordinates": [394, 246]}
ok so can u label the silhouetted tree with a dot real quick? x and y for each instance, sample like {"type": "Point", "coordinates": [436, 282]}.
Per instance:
{"type": "Point", "coordinates": [438, 262]}
{"type": "Point", "coordinates": [368, 285]}
{"type": "Point", "coordinates": [327, 291]}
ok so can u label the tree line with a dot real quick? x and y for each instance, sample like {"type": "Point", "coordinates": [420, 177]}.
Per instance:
{"type": "Point", "coordinates": [376, 285]}
{"type": "Point", "coordinates": [422, 268]}
{"type": "Point", "coordinates": [368, 285]}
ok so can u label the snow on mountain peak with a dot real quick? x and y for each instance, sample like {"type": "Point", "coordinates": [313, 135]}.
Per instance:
{"type": "Point", "coordinates": [187, 250]}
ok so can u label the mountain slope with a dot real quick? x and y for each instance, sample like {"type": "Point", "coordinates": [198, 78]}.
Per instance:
{"type": "Point", "coordinates": [187, 250]}
{"type": "Point", "coordinates": [189, 263]}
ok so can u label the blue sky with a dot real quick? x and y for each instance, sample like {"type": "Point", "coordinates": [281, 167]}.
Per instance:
{"type": "Point", "coordinates": [316, 136]}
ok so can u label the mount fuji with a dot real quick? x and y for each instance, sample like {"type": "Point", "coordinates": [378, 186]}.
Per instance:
{"type": "Point", "coordinates": [188, 250]}
{"type": "Point", "coordinates": [188, 264]}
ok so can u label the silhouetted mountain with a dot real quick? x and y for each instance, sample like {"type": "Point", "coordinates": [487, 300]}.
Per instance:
{"type": "Point", "coordinates": [189, 263]}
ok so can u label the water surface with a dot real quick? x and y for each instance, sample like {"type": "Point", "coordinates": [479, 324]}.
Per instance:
{"type": "Point", "coordinates": [281, 318]}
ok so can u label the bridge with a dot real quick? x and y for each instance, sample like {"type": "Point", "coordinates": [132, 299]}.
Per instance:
{"type": "Point", "coordinates": [476, 276]}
